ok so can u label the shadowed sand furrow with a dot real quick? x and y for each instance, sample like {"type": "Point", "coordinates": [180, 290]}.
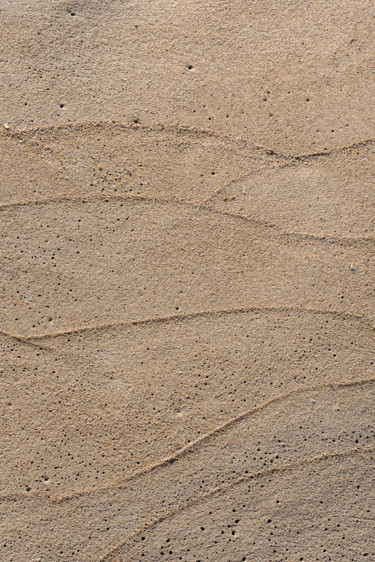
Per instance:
{"type": "Point", "coordinates": [42, 133]}
{"type": "Point", "coordinates": [349, 240]}
{"type": "Point", "coordinates": [28, 175]}
{"type": "Point", "coordinates": [183, 317]}
{"type": "Point", "coordinates": [122, 159]}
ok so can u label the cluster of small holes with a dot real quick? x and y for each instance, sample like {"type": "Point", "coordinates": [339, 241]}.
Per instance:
{"type": "Point", "coordinates": [221, 530]}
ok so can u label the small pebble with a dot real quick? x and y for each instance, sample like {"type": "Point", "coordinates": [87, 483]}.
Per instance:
{"type": "Point", "coordinates": [352, 268]}
{"type": "Point", "coordinates": [6, 126]}
{"type": "Point", "coordinates": [313, 401]}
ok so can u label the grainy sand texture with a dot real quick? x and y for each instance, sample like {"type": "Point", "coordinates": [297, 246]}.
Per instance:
{"type": "Point", "coordinates": [187, 280]}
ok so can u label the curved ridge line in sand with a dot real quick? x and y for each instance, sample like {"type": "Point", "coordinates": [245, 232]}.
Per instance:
{"type": "Point", "coordinates": [223, 489]}
{"type": "Point", "coordinates": [244, 177]}
{"type": "Point", "coordinates": [182, 129]}
{"type": "Point", "coordinates": [192, 316]}
{"type": "Point", "coordinates": [24, 340]}
{"type": "Point", "coordinates": [128, 126]}
{"type": "Point", "coordinates": [190, 447]}
{"type": "Point", "coordinates": [198, 206]}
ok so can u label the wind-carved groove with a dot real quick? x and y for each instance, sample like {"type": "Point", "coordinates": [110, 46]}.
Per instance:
{"type": "Point", "coordinates": [225, 488]}
{"type": "Point", "coordinates": [110, 126]}
{"type": "Point", "coordinates": [24, 340]}
{"type": "Point", "coordinates": [241, 179]}
{"type": "Point", "coordinates": [202, 207]}
{"type": "Point", "coordinates": [33, 339]}
{"type": "Point", "coordinates": [64, 355]}
{"type": "Point", "coordinates": [181, 130]}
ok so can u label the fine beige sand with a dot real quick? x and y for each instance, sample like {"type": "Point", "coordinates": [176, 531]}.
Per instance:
{"type": "Point", "coordinates": [187, 280]}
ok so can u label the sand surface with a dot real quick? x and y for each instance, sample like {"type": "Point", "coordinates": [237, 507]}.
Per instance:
{"type": "Point", "coordinates": [187, 280]}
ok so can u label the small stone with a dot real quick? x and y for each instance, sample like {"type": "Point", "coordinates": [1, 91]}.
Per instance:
{"type": "Point", "coordinates": [6, 126]}
{"type": "Point", "coordinates": [313, 401]}
{"type": "Point", "coordinates": [352, 268]}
